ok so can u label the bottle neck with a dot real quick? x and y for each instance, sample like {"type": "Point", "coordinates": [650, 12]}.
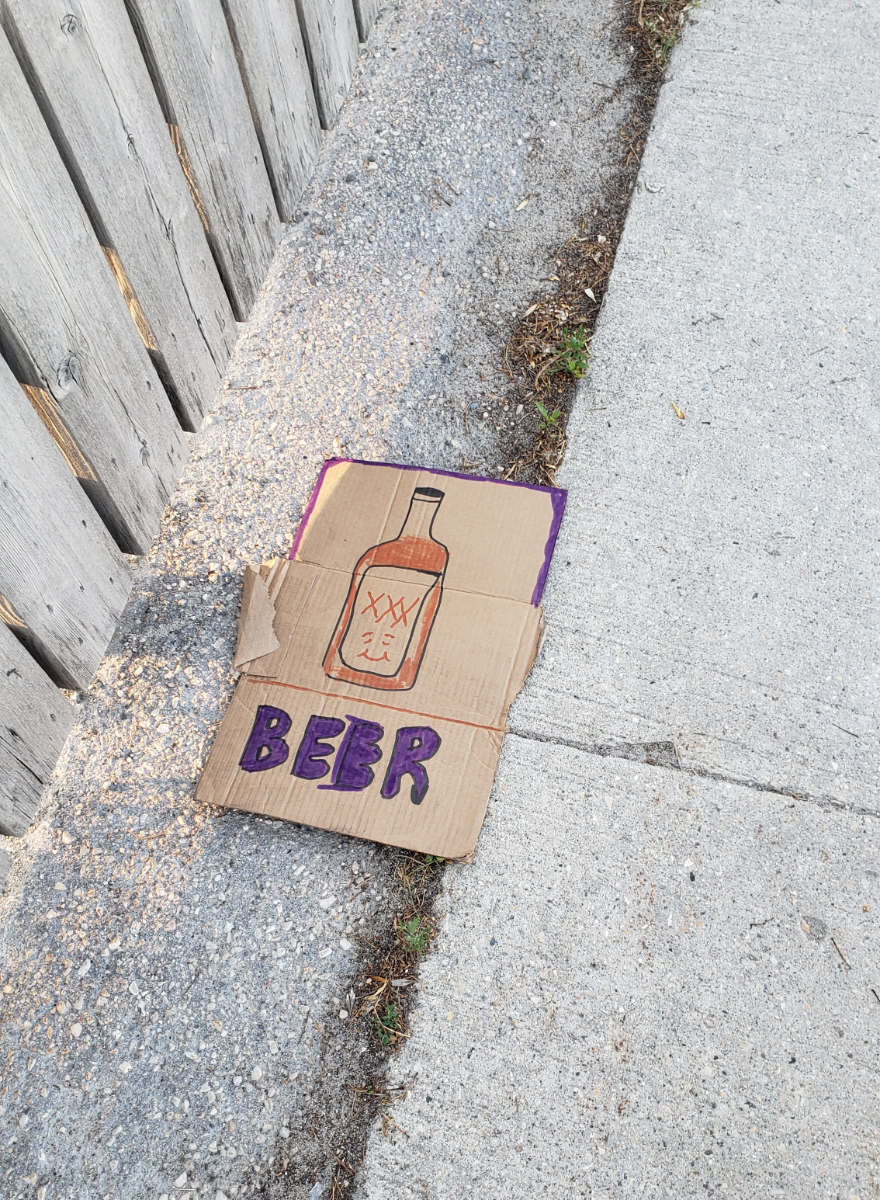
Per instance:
{"type": "Point", "coordinates": [420, 518]}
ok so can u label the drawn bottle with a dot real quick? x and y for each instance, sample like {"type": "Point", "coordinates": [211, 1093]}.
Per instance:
{"type": "Point", "coordinates": [392, 601]}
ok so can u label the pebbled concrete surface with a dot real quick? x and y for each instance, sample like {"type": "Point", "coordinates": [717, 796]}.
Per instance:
{"type": "Point", "coordinates": [172, 977]}
{"type": "Point", "coordinates": [474, 140]}
{"type": "Point", "coordinates": [663, 980]}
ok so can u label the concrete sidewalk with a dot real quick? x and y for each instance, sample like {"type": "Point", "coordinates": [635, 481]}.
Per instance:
{"type": "Point", "coordinates": [660, 977]}
{"type": "Point", "coordinates": [626, 1002]}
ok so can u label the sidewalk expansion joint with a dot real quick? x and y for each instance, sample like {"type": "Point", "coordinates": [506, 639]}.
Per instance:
{"type": "Point", "coordinates": [666, 755]}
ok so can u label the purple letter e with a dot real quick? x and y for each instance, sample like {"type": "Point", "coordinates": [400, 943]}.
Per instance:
{"type": "Point", "coordinates": [266, 746]}
{"type": "Point", "coordinates": [307, 764]}
{"type": "Point", "coordinates": [413, 745]}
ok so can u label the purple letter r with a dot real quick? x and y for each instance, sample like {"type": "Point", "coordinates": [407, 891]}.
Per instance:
{"type": "Point", "coordinates": [413, 745]}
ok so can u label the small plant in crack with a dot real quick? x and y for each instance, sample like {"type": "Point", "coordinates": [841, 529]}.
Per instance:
{"type": "Point", "coordinates": [546, 418]}
{"type": "Point", "coordinates": [572, 353]}
{"type": "Point", "coordinates": [414, 935]}
{"type": "Point", "coordinates": [664, 43]}
{"type": "Point", "coordinates": [388, 1023]}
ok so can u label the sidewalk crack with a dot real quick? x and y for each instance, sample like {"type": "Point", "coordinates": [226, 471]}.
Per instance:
{"type": "Point", "coordinates": [666, 756]}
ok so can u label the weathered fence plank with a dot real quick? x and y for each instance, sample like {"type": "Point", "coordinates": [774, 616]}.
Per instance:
{"type": "Point", "coordinates": [35, 720]}
{"type": "Point", "coordinates": [365, 13]}
{"type": "Point", "coordinates": [95, 93]}
{"type": "Point", "coordinates": [188, 49]}
{"type": "Point", "coordinates": [272, 59]}
{"type": "Point", "coordinates": [331, 40]}
{"type": "Point", "coordinates": [63, 583]}
{"type": "Point", "coordinates": [65, 329]}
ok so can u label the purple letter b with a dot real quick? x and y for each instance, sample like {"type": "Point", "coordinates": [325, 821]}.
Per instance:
{"type": "Point", "coordinates": [266, 746]}
{"type": "Point", "coordinates": [413, 745]}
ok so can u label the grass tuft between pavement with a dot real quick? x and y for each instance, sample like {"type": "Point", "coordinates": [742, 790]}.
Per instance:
{"type": "Point", "coordinates": [384, 995]}
{"type": "Point", "coordinates": [545, 355]}
{"type": "Point", "coordinates": [549, 348]}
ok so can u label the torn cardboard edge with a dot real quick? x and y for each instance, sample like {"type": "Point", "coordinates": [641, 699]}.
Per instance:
{"type": "Point", "coordinates": [378, 663]}
{"type": "Point", "coordinates": [256, 625]}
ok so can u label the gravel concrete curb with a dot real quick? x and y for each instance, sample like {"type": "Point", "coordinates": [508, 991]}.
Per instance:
{"type": "Point", "coordinates": [172, 976]}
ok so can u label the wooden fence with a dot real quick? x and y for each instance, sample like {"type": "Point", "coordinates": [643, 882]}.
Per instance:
{"type": "Point", "coordinates": [150, 152]}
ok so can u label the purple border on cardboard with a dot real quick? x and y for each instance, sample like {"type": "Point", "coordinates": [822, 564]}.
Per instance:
{"type": "Point", "coordinates": [558, 497]}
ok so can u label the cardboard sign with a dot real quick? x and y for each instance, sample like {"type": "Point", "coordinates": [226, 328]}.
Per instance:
{"type": "Point", "coordinates": [379, 661]}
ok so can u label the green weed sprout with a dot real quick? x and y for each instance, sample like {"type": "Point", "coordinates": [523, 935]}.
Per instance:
{"type": "Point", "coordinates": [573, 355]}
{"type": "Point", "coordinates": [388, 1024]}
{"type": "Point", "coordinates": [547, 419]}
{"type": "Point", "coordinates": [414, 936]}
